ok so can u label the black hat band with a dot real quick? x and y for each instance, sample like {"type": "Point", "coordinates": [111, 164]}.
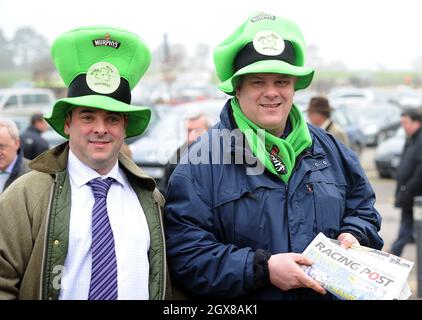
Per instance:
{"type": "Point", "coordinates": [79, 87]}
{"type": "Point", "coordinates": [249, 55]}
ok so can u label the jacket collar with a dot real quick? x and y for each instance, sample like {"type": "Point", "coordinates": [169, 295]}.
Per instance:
{"type": "Point", "coordinates": [55, 160]}
{"type": "Point", "coordinates": [17, 167]}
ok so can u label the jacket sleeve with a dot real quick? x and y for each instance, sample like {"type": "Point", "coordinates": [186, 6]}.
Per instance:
{"type": "Point", "coordinates": [15, 242]}
{"type": "Point", "coordinates": [413, 187]}
{"type": "Point", "coordinates": [360, 217]}
{"type": "Point", "coordinates": [197, 260]}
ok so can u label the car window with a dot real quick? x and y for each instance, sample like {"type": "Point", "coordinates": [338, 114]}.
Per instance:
{"type": "Point", "coordinates": [12, 102]}
{"type": "Point", "coordinates": [35, 99]}
{"type": "Point", "coordinates": [341, 118]}
{"type": "Point", "coordinates": [42, 98]}
{"type": "Point", "coordinates": [366, 114]}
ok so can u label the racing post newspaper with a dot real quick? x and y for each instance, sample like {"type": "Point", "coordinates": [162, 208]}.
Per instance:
{"type": "Point", "coordinates": [357, 273]}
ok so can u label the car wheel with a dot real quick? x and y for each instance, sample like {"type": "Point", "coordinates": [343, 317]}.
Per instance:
{"type": "Point", "coordinates": [384, 174]}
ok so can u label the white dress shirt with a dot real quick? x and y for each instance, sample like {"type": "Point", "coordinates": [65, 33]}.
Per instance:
{"type": "Point", "coordinates": [130, 230]}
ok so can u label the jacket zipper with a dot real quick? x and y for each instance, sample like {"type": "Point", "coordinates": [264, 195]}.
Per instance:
{"type": "Point", "coordinates": [47, 226]}
{"type": "Point", "coordinates": [165, 252]}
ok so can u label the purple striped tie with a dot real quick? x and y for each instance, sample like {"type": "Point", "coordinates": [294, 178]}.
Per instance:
{"type": "Point", "coordinates": [103, 284]}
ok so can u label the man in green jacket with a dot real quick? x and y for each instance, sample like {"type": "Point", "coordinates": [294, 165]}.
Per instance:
{"type": "Point", "coordinates": [86, 222]}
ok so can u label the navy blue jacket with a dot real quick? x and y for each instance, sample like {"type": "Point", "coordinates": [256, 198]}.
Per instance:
{"type": "Point", "coordinates": [217, 215]}
{"type": "Point", "coordinates": [409, 172]}
{"type": "Point", "coordinates": [21, 167]}
{"type": "Point", "coordinates": [32, 143]}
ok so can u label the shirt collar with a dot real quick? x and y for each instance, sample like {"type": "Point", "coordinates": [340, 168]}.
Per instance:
{"type": "Point", "coordinates": [9, 168]}
{"type": "Point", "coordinates": [326, 124]}
{"type": "Point", "coordinates": [81, 174]}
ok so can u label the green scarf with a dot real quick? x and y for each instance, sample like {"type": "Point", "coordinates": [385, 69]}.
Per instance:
{"type": "Point", "coordinates": [276, 154]}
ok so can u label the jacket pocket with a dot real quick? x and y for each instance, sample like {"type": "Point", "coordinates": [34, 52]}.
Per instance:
{"type": "Point", "coordinates": [246, 219]}
{"type": "Point", "coordinates": [329, 203]}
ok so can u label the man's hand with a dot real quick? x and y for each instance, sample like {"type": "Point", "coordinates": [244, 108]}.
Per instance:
{"type": "Point", "coordinates": [286, 274]}
{"type": "Point", "coordinates": [347, 240]}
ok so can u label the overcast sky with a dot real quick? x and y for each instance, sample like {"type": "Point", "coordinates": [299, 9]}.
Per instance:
{"type": "Point", "coordinates": [362, 33]}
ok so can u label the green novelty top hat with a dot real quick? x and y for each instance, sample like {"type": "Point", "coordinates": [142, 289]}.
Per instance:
{"type": "Point", "coordinates": [263, 44]}
{"type": "Point", "coordinates": [100, 66]}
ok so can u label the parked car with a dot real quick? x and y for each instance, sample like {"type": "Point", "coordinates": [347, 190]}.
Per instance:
{"type": "Point", "coordinates": [155, 116]}
{"type": "Point", "coordinates": [25, 101]}
{"type": "Point", "coordinates": [351, 95]}
{"type": "Point", "coordinates": [388, 154]}
{"type": "Point", "coordinates": [153, 150]}
{"type": "Point", "coordinates": [340, 116]}
{"type": "Point", "coordinates": [377, 120]}
{"type": "Point", "coordinates": [354, 133]}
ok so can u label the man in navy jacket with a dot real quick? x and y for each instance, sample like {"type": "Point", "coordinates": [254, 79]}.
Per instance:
{"type": "Point", "coordinates": [250, 196]}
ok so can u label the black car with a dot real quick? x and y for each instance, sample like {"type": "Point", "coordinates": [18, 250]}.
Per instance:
{"type": "Point", "coordinates": [388, 154]}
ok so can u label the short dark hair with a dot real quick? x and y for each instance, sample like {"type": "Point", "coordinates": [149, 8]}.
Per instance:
{"type": "Point", "coordinates": [412, 114]}
{"type": "Point", "coordinates": [36, 117]}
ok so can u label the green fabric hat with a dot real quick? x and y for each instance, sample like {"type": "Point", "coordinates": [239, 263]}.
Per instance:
{"type": "Point", "coordinates": [100, 66]}
{"type": "Point", "coordinates": [263, 44]}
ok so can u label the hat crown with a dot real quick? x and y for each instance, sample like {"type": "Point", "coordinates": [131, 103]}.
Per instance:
{"type": "Point", "coordinates": [245, 34]}
{"type": "Point", "coordinates": [319, 104]}
{"type": "Point", "coordinates": [100, 65]}
{"type": "Point", "coordinates": [75, 51]}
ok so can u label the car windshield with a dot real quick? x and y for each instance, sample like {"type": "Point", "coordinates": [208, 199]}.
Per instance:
{"type": "Point", "coordinates": [368, 114]}
{"type": "Point", "coordinates": [340, 117]}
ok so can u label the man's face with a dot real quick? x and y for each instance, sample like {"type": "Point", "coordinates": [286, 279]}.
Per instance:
{"type": "Point", "coordinates": [8, 148]}
{"type": "Point", "coordinates": [195, 128]}
{"type": "Point", "coordinates": [96, 136]}
{"type": "Point", "coordinates": [316, 118]}
{"type": "Point", "coordinates": [409, 126]}
{"type": "Point", "coordinates": [266, 99]}
{"type": "Point", "coordinates": [41, 125]}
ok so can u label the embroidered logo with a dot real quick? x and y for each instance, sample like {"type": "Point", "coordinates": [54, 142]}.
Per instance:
{"type": "Point", "coordinates": [103, 77]}
{"type": "Point", "coordinates": [278, 164]}
{"type": "Point", "coordinates": [268, 42]}
{"type": "Point", "coordinates": [262, 17]}
{"type": "Point", "coordinates": [106, 42]}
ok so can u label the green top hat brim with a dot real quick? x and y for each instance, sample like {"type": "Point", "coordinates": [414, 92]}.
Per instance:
{"type": "Point", "coordinates": [138, 117]}
{"type": "Point", "coordinates": [304, 75]}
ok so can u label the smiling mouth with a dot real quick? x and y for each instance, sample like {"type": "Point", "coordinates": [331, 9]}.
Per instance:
{"type": "Point", "coordinates": [99, 143]}
{"type": "Point", "coordinates": [270, 105]}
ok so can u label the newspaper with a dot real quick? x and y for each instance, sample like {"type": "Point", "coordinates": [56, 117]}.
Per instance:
{"type": "Point", "coordinates": [358, 273]}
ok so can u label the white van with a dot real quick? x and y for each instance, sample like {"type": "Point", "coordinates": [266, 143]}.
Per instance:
{"type": "Point", "coordinates": [25, 101]}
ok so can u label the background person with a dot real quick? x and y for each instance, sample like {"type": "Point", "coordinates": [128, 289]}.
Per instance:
{"type": "Point", "coordinates": [33, 144]}
{"type": "Point", "coordinates": [12, 162]}
{"type": "Point", "coordinates": [237, 230]}
{"type": "Point", "coordinates": [86, 222]}
{"type": "Point", "coordinates": [409, 178]}
{"type": "Point", "coordinates": [197, 123]}
{"type": "Point", "coordinates": [319, 114]}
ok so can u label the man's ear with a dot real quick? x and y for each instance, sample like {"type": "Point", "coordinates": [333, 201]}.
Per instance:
{"type": "Point", "coordinates": [237, 93]}
{"type": "Point", "coordinates": [126, 119]}
{"type": "Point", "coordinates": [18, 142]}
{"type": "Point", "coordinates": [67, 122]}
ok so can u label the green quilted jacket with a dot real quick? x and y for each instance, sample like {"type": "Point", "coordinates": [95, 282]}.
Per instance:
{"type": "Point", "coordinates": [34, 228]}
